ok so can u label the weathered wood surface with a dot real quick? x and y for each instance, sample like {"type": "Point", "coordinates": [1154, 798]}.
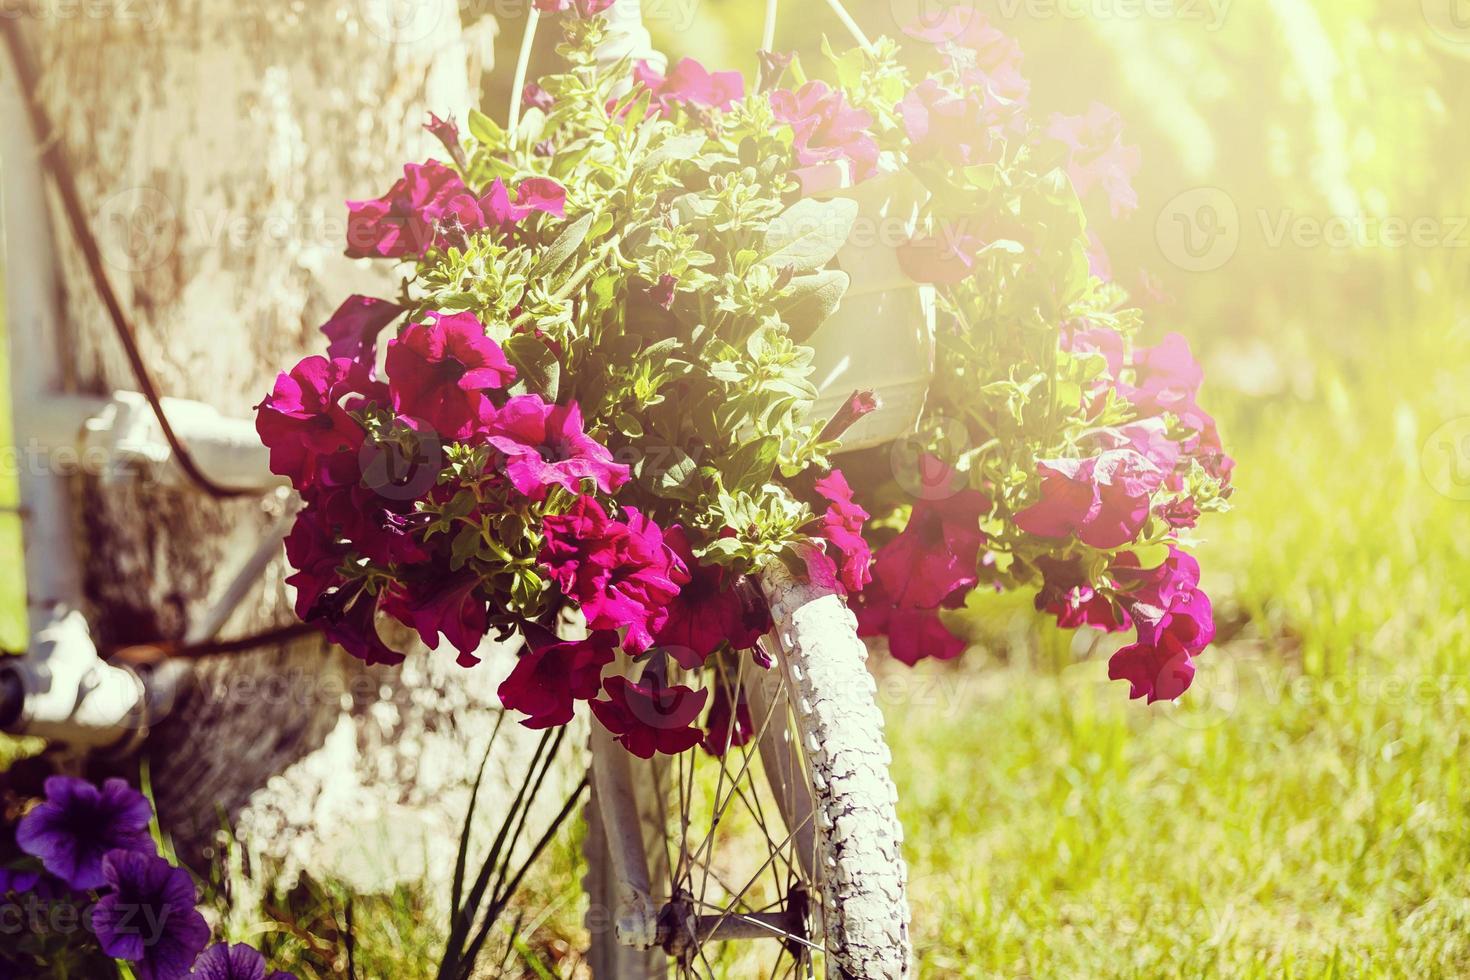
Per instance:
{"type": "Point", "coordinates": [216, 141]}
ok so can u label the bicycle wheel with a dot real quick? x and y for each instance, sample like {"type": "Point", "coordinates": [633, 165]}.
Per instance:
{"type": "Point", "coordinates": [780, 856]}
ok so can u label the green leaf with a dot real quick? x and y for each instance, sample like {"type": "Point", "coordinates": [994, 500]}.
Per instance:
{"type": "Point", "coordinates": [537, 369]}
{"type": "Point", "coordinates": [810, 300]}
{"type": "Point", "coordinates": [484, 129]}
{"type": "Point", "coordinates": [684, 146]}
{"type": "Point", "coordinates": [466, 545]}
{"type": "Point", "coordinates": [809, 234]}
{"type": "Point", "coordinates": [565, 245]}
{"type": "Point", "coordinates": [751, 465]}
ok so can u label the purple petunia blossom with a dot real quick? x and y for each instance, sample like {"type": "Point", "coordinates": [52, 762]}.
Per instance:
{"type": "Point", "coordinates": [79, 824]}
{"type": "Point", "coordinates": [149, 918]}
{"type": "Point", "coordinates": [239, 962]}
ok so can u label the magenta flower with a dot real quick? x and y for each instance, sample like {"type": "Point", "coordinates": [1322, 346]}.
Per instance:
{"type": "Point", "coordinates": [552, 675]}
{"type": "Point", "coordinates": [689, 83]}
{"type": "Point", "coordinates": [724, 728]}
{"type": "Point", "coordinates": [305, 417]}
{"type": "Point", "coordinates": [938, 552]}
{"type": "Point", "coordinates": [544, 445]}
{"type": "Point", "coordinates": [1069, 595]}
{"type": "Point", "coordinates": [621, 573]}
{"type": "Point", "coordinates": [239, 962]}
{"type": "Point", "coordinates": [1097, 156]}
{"type": "Point", "coordinates": [79, 824]}
{"type": "Point", "coordinates": [439, 372]}
{"type": "Point", "coordinates": [1103, 500]}
{"type": "Point", "coordinates": [826, 128]}
{"type": "Point", "coordinates": [410, 218]}
{"type": "Point", "coordinates": [651, 717]}
{"type": "Point", "coordinates": [985, 56]}
{"type": "Point", "coordinates": [708, 611]}
{"type": "Point", "coordinates": [313, 550]}
{"type": "Point", "coordinates": [148, 918]}
{"type": "Point", "coordinates": [1175, 623]}
{"type": "Point", "coordinates": [348, 617]}
{"type": "Point", "coordinates": [533, 195]}
{"type": "Point", "coordinates": [584, 8]}
{"type": "Point", "coordinates": [841, 527]}
{"type": "Point", "coordinates": [1166, 377]}
{"type": "Point", "coordinates": [443, 604]}
{"type": "Point", "coordinates": [353, 330]}
{"type": "Point", "coordinates": [943, 123]}
{"type": "Point", "coordinates": [913, 633]}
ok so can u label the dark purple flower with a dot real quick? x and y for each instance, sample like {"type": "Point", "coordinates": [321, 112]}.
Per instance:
{"type": "Point", "coordinates": [552, 675]}
{"type": "Point", "coordinates": [353, 330]}
{"type": "Point", "coordinates": [439, 372]}
{"type": "Point", "coordinates": [651, 717]}
{"type": "Point", "coordinates": [240, 962]}
{"type": "Point", "coordinates": [79, 824]}
{"type": "Point", "coordinates": [149, 918]}
{"type": "Point", "coordinates": [443, 604]}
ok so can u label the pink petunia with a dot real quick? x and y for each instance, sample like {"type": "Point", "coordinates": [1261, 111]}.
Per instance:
{"type": "Point", "coordinates": [826, 128]}
{"type": "Point", "coordinates": [985, 56]}
{"type": "Point", "coordinates": [1068, 594]}
{"type": "Point", "coordinates": [841, 527]}
{"type": "Point", "coordinates": [1175, 623]}
{"type": "Point", "coordinates": [352, 331]}
{"type": "Point", "coordinates": [543, 445]}
{"type": "Point", "coordinates": [1102, 500]}
{"type": "Point", "coordinates": [451, 605]}
{"type": "Point", "coordinates": [651, 717]}
{"type": "Point", "coordinates": [913, 633]}
{"type": "Point", "coordinates": [533, 195]}
{"type": "Point", "coordinates": [937, 552]}
{"type": "Point", "coordinates": [1097, 156]}
{"type": "Point", "coordinates": [708, 611]}
{"type": "Point", "coordinates": [583, 8]}
{"type": "Point", "coordinates": [305, 417]}
{"type": "Point", "coordinates": [409, 219]}
{"type": "Point", "coordinates": [439, 372]}
{"type": "Point", "coordinates": [552, 675]}
{"type": "Point", "coordinates": [946, 124]}
{"type": "Point", "coordinates": [620, 573]}
{"type": "Point", "coordinates": [689, 83]}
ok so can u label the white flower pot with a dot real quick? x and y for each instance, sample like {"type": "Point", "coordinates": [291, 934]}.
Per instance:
{"type": "Point", "coordinates": [881, 337]}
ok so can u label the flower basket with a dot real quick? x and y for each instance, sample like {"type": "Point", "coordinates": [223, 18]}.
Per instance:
{"type": "Point", "coordinates": [881, 338]}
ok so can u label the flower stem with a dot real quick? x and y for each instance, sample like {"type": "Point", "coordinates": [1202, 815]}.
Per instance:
{"type": "Point", "coordinates": [768, 33]}
{"type": "Point", "coordinates": [851, 25]}
{"type": "Point", "coordinates": [523, 62]}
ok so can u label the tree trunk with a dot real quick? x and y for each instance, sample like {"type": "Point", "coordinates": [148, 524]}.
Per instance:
{"type": "Point", "coordinates": [215, 141]}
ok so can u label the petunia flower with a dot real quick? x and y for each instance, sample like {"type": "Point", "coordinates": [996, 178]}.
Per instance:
{"type": "Point", "coordinates": [533, 195]}
{"type": "Point", "coordinates": [1175, 623]}
{"type": "Point", "coordinates": [1068, 594]}
{"type": "Point", "coordinates": [443, 604]}
{"type": "Point", "coordinates": [983, 55]}
{"type": "Point", "coordinates": [708, 611]}
{"type": "Point", "coordinates": [148, 917]}
{"type": "Point", "coordinates": [841, 527]}
{"type": "Point", "coordinates": [583, 8]}
{"type": "Point", "coordinates": [305, 417]}
{"type": "Point", "coordinates": [79, 824]}
{"type": "Point", "coordinates": [727, 726]}
{"type": "Point", "coordinates": [544, 445]}
{"type": "Point", "coordinates": [826, 128]}
{"type": "Point", "coordinates": [1097, 156]}
{"type": "Point", "coordinates": [409, 219]}
{"type": "Point", "coordinates": [651, 717]}
{"type": "Point", "coordinates": [352, 331]}
{"type": "Point", "coordinates": [552, 675]}
{"type": "Point", "coordinates": [1102, 500]}
{"type": "Point", "coordinates": [238, 962]}
{"type": "Point", "coordinates": [620, 573]}
{"type": "Point", "coordinates": [937, 553]}
{"type": "Point", "coordinates": [913, 633]}
{"type": "Point", "coordinates": [944, 259]}
{"type": "Point", "coordinates": [348, 617]}
{"type": "Point", "coordinates": [942, 123]}
{"type": "Point", "coordinates": [439, 373]}
{"type": "Point", "coordinates": [689, 83]}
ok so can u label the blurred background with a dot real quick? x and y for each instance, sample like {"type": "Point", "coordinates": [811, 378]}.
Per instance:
{"type": "Point", "coordinates": [1304, 811]}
